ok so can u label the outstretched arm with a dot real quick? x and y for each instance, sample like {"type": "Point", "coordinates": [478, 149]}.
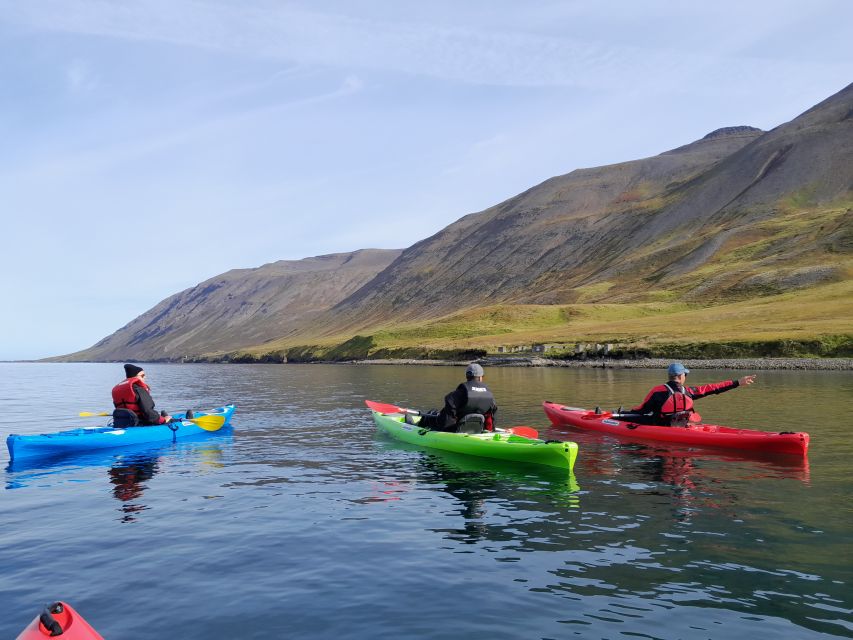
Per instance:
{"type": "Point", "coordinates": [702, 390]}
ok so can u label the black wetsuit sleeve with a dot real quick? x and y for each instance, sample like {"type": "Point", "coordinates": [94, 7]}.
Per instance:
{"type": "Point", "coordinates": [146, 405]}
{"type": "Point", "coordinates": [652, 404]}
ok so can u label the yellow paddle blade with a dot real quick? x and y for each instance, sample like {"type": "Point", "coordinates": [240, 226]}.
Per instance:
{"type": "Point", "coordinates": [89, 414]}
{"type": "Point", "coordinates": [209, 423]}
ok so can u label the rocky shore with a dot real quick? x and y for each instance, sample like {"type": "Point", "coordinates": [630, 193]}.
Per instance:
{"type": "Point", "coordinates": [753, 364]}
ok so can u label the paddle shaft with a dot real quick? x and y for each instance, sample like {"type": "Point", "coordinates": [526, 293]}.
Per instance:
{"type": "Point", "coordinates": [208, 423]}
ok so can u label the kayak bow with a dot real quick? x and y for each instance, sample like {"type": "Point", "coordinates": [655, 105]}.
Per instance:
{"type": "Point", "coordinates": [59, 619]}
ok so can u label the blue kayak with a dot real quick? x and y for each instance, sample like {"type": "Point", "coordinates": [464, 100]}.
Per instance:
{"type": "Point", "coordinates": [86, 439]}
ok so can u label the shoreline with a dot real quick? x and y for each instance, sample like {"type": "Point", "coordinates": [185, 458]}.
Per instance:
{"type": "Point", "coordinates": [766, 364]}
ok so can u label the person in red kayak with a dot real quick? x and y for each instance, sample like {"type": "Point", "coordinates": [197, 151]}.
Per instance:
{"type": "Point", "coordinates": [133, 403]}
{"type": "Point", "coordinates": [470, 398]}
{"type": "Point", "coordinates": [671, 404]}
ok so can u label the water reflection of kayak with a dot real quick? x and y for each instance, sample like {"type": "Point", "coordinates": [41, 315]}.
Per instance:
{"type": "Point", "coordinates": [205, 449]}
{"type": "Point", "coordinates": [87, 439]}
{"type": "Point", "coordinates": [704, 435]}
{"type": "Point", "coordinates": [460, 464]}
{"type": "Point", "coordinates": [59, 619]}
{"type": "Point", "coordinates": [482, 489]}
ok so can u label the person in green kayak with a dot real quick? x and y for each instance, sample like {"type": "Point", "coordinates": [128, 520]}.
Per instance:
{"type": "Point", "coordinates": [133, 403]}
{"type": "Point", "coordinates": [671, 404]}
{"type": "Point", "coordinates": [470, 398]}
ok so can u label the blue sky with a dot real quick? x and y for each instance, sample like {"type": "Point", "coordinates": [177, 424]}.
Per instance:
{"type": "Point", "coordinates": [150, 145]}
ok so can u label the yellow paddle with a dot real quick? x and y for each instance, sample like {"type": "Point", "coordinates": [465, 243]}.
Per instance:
{"type": "Point", "coordinates": [208, 423]}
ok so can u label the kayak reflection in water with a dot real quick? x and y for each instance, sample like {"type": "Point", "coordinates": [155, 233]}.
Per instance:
{"type": "Point", "coordinates": [470, 398]}
{"type": "Point", "coordinates": [471, 491]}
{"type": "Point", "coordinates": [133, 403]}
{"type": "Point", "coordinates": [128, 479]}
{"type": "Point", "coordinates": [671, 404]}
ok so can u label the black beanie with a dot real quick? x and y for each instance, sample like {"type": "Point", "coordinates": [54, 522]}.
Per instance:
{"type": "Point", "coordinates": [131, 370]}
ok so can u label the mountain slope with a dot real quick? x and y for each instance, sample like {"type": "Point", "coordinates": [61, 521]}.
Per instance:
{"type": "Point", "coordinates": [241, 307]}
{"type": "Point", "coordinates": [736, 217]}
{"type": "Point", "coordinates": [510, 252]}
{"type": "Point", "coordinates": [627, 232]}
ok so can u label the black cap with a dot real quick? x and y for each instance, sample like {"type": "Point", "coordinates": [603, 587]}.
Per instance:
{"type": "Point", "coordinates": [131, 370]}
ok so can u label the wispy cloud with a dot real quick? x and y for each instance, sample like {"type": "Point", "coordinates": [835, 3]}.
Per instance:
{"type": "Point", "coordinates": [185, 130]}
{"type": "Point", "coordinates": [508, 58]}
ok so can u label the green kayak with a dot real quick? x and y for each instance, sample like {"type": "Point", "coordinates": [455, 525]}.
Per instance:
{"type": "Point", "coordinates": [502, 445]}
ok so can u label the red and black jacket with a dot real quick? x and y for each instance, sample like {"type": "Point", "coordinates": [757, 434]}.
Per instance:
{"type": "Point", "coordinates": [671, 401]}
{"type": "Point", "coordinates": [135, 395]}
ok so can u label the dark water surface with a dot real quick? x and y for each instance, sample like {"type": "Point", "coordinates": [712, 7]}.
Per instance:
{"type": "Point", "coordinates": [301, 522]}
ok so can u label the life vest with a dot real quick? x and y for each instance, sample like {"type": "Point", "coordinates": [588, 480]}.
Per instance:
{"type": "Point", "coordinates": [480, 400]}
{"type": "Point", "coordinates": [124, 396]}
{"type": "Point", "coordinates": [678, 407]}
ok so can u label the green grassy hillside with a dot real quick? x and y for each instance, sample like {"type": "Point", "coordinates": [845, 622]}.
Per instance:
{"type": "Point", "coordinates": [815, 322]}
{"type": "Point", "coordinates": [777, 286]}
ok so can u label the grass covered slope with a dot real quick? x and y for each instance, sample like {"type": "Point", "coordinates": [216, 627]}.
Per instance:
{"type": "Point", "coordinates": [814, 322]}
{"type": "Point", "coordinates": [796, 248]}
{"type": "Point", "coordinates": [779, 286]}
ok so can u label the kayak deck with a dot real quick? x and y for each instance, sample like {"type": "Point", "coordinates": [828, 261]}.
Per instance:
{"type": "Point", "coordinates": [700, 434]}
{"type": "Point", "coordinates": [497, 445]}
{"type": "Point", "coordinates": [88, 438]}
{"type": "Point", "coordinates": [59, 619]}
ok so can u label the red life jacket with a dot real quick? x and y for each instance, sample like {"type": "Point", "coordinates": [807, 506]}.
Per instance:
{"type": "Point", "coordinates": [676, 402]}
{"type": "Point", "coordinates": [124, 396]}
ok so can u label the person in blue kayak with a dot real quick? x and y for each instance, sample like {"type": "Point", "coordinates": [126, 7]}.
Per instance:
{"type": "Point", "coordinates": [471, 398]}
{"type": "Point", "coordinates": [133, 403]}
{"type": "Point", "coordinates": [671, 404]}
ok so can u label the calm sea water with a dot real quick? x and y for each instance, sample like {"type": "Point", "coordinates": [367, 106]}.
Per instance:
{"type": "Point", "coordinates": [302, 522]}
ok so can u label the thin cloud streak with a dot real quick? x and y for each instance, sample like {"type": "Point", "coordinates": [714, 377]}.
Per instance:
{"type": "Point", "coordinates": [505, 58]}
{"type": "Point", "coordinates": [98, 159]}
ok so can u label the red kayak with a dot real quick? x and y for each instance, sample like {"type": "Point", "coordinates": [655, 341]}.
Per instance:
{"type": "Point", "coordinates": [706, 435]}
{"type": "Point", "coordinates": [59, 619]}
